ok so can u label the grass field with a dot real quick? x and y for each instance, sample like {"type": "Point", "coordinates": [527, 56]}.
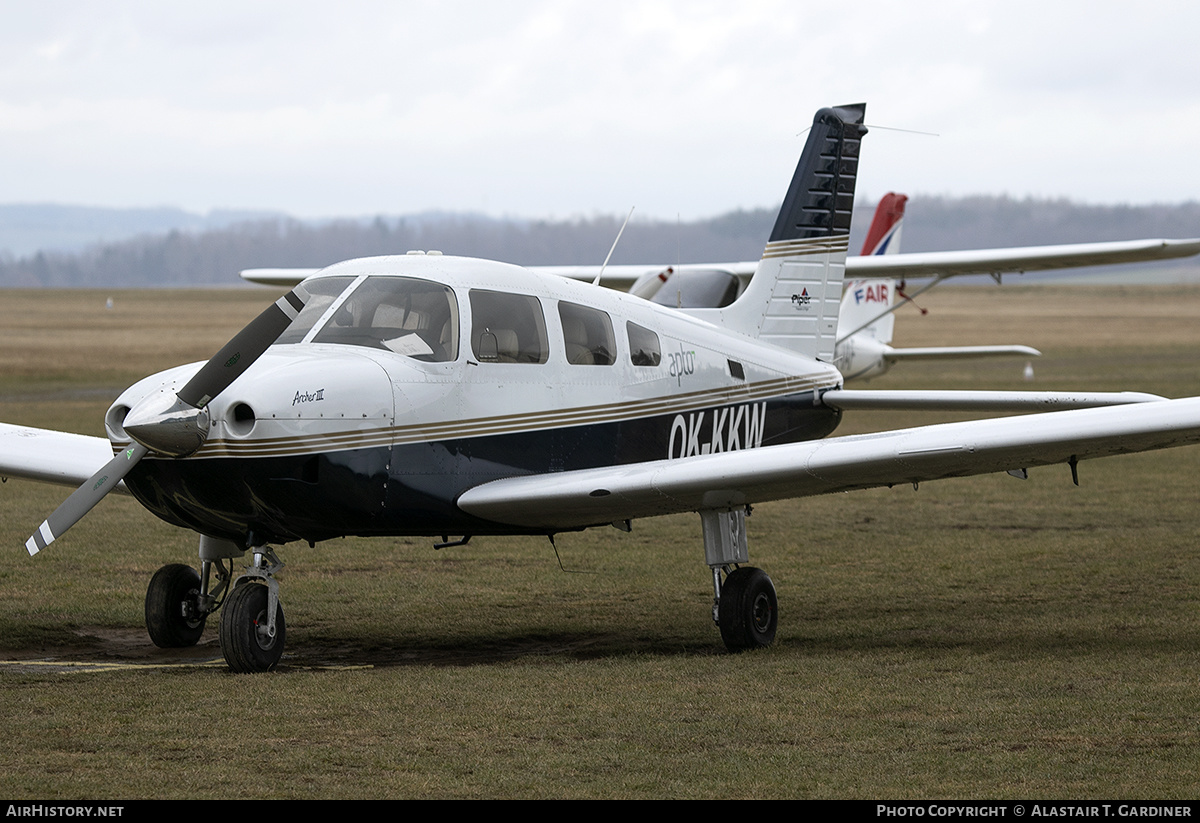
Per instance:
{"type": "Point", "coordinates": [977, 638]}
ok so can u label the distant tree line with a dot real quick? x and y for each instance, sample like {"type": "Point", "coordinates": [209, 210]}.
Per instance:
{"type": "Point", "coordinates": [214, 257]}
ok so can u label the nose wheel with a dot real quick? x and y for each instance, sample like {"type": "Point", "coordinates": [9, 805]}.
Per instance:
{"type": "Point", "coordinates": [250, 639]}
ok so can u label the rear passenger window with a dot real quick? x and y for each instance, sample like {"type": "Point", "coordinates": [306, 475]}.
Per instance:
{"type": "Point", "coordinates": [507, 328]}
{"type": "Point", "coordinates": [588, 335]}
{"type": "Point", "coordinates": [643, 346]}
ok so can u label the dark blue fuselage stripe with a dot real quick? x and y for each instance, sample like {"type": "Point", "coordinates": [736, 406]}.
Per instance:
{"type": "Point", "coordinates": [410, 489]}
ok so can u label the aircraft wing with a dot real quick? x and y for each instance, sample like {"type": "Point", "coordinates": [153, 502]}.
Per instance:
{"type": "Point", "coordinates": [940, 264]}
{"type": "Point", "coordinates": [276, 277]}
{"type": "Point", "coordinates": [52, 457]}
{"type": "Point", "coordinates": [899, 266]}
{"type": "Point", "coordinates": [575, 499]}
{"type": "Point", "coordinates": [621, 277]}
{"type": "Point", "coordinates": [1029, 258]}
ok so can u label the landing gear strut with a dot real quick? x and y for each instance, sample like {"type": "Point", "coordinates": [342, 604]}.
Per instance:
{"type": "Point", "coordinates": [745, 607]}
{"type": "Point", "coordinates": [179, 601]}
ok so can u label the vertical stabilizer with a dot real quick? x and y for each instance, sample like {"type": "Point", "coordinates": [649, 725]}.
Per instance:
{"type": "Point", "coordinates": [867, 304]}
{"type": "Point", "coordinates": [792, 299]}
{"type": "Point", "coordinates": [884, 235]}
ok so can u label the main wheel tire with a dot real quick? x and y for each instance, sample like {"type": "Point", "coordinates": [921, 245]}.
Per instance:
{"type": "Point", "coordinates": [169, 589]}
{"type": "Point", "coordinates": [748, 611]}
{"type": "Point", "coordinates": [244, 640]}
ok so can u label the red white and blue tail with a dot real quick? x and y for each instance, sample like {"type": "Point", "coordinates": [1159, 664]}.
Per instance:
{"type": "Point", "coordinates": [867, 304]}
{"type": "Point", "coordinates": [884, 235]}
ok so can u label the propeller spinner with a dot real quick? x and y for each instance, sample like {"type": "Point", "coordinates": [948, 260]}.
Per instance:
{"type": "Point", "coordinates": [174, 425]}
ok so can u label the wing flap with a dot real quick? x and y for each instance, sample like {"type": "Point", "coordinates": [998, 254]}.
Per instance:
{"type": "Point", "coordinates": [577, 499]}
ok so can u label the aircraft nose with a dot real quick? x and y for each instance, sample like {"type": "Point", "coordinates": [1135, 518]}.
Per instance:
{"type": "Point", "coordinates": [165, 424]}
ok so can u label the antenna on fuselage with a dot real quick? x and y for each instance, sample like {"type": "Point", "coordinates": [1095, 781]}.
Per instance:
{"type": "Point", "coordinates": [600, 274]}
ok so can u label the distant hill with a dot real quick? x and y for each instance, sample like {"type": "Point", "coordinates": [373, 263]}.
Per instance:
{"type": "Point", "coordinates": [169, 247]}
{"type": "Point", "coordinates": [27, 228]}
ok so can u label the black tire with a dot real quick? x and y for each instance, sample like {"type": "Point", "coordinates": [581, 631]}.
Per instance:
{"type": "Point", "coordinates": [244, 640]}
{"type": "Point", "coordinates": [748, 611]}
{"type": "Point", "coordinates": [169, 589]}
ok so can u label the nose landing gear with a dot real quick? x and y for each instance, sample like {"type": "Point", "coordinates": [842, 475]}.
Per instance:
{"type": "Point", "coordinates": [252, 629]}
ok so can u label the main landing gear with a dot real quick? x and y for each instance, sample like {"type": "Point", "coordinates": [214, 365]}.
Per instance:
{"type": "Point", "coordinates": [252, 631]}
{"type": "Point", "coordinates": [745, 607]}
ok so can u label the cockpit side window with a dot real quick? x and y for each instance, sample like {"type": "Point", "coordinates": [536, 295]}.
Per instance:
{"type": "Point", "coordinates": [415, 318]}
{"type": "Point", "coordinates": [322, 292]}
{"type": "Point", "coordinates": [644, 349]}
{"type": "Point", "coordinates": [588, 335]}
{"type": "Point", "coordinates": [507, 328]}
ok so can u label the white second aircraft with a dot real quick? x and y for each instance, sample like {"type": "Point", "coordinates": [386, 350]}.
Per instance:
{"type": "Point", "coordinates": [443, 396]}
{"type": "Point", "coordinates": [866, 321]}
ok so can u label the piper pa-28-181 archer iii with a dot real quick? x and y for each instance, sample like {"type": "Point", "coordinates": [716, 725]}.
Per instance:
{"type": "Point", "coordinates": [440, 396]}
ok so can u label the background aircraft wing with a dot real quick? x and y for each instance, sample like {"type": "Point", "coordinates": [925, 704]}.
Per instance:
{"type": "Point", "coordinates": [940, 264]}
{"type": "Point", "coordinates": [575, 499]}
{"type": "Point", "coordinates": [50, 456]}
{"type": "Point", "coordinates": [898, 266]}
{"type": "Point", "coordinates": [276, 277]}
{"type": "Point", "coordinates": [1028, 258]}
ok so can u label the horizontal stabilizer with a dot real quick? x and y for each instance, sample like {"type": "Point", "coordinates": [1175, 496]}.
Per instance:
{"type": "Point", "coordinates": [959, 352]}
{"type": "Point", "coordinates": [989, 401]}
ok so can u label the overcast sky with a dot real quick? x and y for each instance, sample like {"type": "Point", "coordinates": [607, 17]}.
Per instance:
{"type": "Point", "coordinates": [556, 108]}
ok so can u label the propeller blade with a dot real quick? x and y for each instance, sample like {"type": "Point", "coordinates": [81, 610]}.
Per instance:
{"type": "Point", "coordinates": [239, 353]}
{"type": "Point", "coordinates": [85, 497]}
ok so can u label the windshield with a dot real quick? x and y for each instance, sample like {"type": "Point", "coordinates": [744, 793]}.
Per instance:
{"type": "Point", "coordinates": [415, 318]}
{"type": "Point", "coordinates": [322, 292]}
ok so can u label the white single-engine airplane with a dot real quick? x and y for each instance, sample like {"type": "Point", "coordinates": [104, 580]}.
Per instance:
{"type": "Point", "coordinates": [443, 396]}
